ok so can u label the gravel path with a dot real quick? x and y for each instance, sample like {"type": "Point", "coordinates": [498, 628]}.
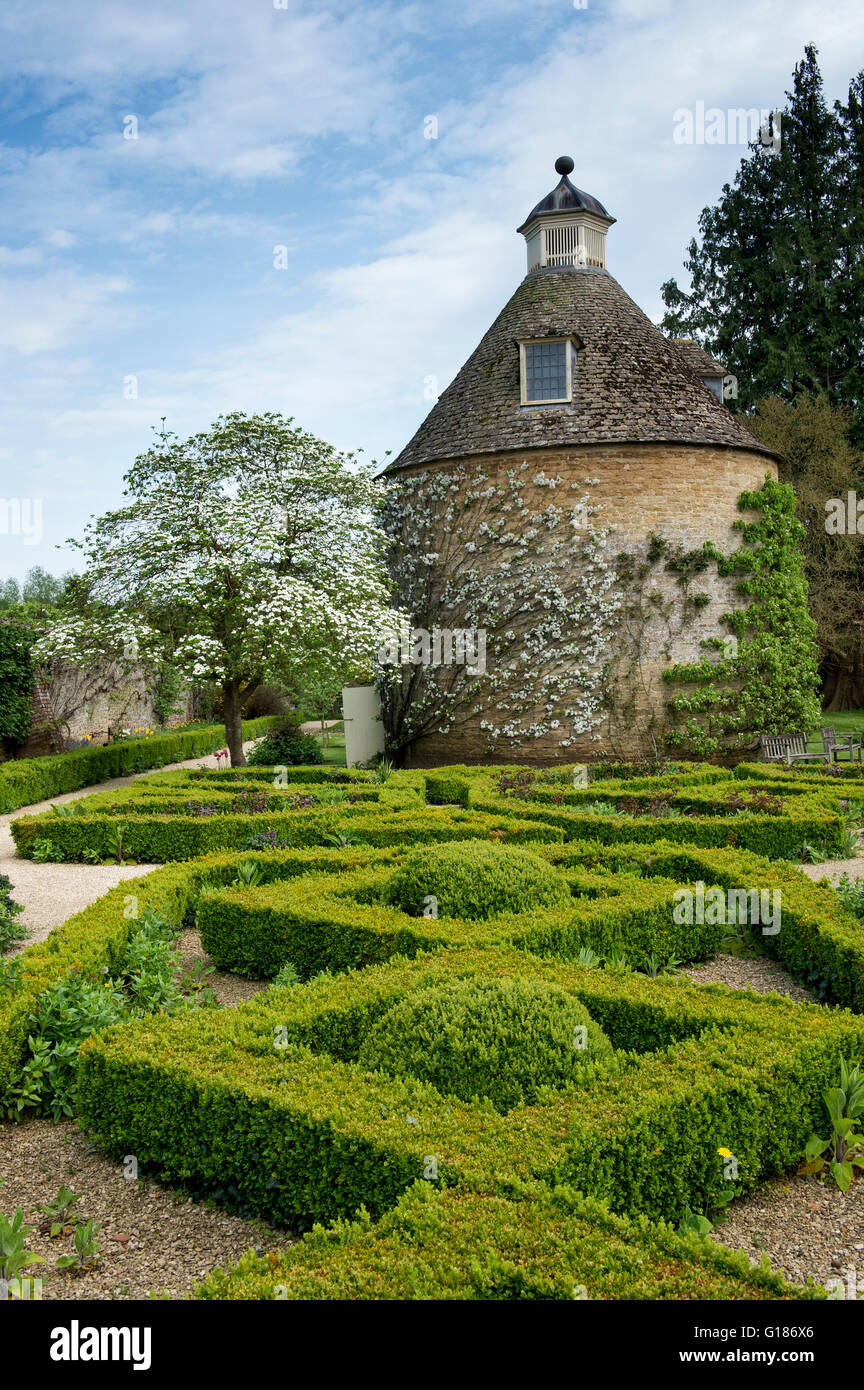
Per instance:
{"type": "Point", "coordinates": [759, 973]}
{"type": "Point", "coordinates": [153, 1239]}
{"type": "Point", "coordinates": [51, 893]}
{"type": "Point", "coordinates": [807, 1229]}
{"type": "Point", "coordinates": [229, 990]}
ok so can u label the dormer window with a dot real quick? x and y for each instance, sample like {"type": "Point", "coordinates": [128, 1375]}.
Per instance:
{"type": "Point", "coordinates": [546, 371]}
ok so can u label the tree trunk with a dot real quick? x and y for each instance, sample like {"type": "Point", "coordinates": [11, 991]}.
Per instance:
{"type": "Point", "coordinates": [233, 724]}
{"type": "Point", "coordinates": [842, 690]}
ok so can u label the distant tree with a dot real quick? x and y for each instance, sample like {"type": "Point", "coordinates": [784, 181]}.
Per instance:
{"type": "Point", "coordinates": [318, 693]}
{"type": "Point", "coordinates": [246, 554]}
{"type": "Point", "coordinates": [10, 594]}
{"type": "Point", "coordinates": [777, 277]}
{"type": "Point", "coordinates": [40, 592]}
{"type": "Point", "coordinates": [816, 456]}
{"type": "Point", "coordinates": [42, 589]}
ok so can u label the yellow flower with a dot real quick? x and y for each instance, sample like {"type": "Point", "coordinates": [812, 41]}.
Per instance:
{"type": "Point", "coordinates": [725, 1153]}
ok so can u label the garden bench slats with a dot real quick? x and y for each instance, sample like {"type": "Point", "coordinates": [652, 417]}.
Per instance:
{"type": "Point", "coordinates": [789, 749]}
{"type": "Point", "coordinates": [834, 747]}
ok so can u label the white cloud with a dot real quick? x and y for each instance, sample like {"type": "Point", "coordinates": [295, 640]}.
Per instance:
{"type": "Point", "coordinates": [56, 310]}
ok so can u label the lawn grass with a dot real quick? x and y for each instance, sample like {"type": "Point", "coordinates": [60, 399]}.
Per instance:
{"type": "Point", "coordinates": [851, 721]}
{"type": "Point", "coordinates": [334, 751]}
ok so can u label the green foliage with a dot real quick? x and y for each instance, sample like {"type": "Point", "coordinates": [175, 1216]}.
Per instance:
{"type": "Point", "coordinates": [86, 1247]}
{"type": "Point", "coordinates": [816, 456]}
{"type": "Point", "coordinates": [770, 684]}
{"type": "Point", "coordinates": [843, 1152]}
{"type": "Point", "coordinates": [75, 1008]}
{"type": "Point", "coordinates": [63, 1017]}
{"type": "Point", "coordinates": [27, 780]}
{"type": "Point", "coordinates": [446, 791]}
{"type": "Point", "coordinates": [783, 245]}
{"type": "Point", "coordinates": [533, 1243]}
{"type": "Point", "coordinates": [693, 1223]}
{"type": "Point", "coordinates": [150, 966]}
{"type": "Point", "coordinates": [45, 851]}
{"type": "Point", "coordinates": [167, 686]}
{"type": "Point", "coordinates": [16, 682]}
{"type": "Point", "coordinates": [475, 879]}
{"type": "Point", "coordinates": [10, 928]}
{"type": "Point", "coordinates": [14, 1255]}
{"type": "Point", "coordinates": [502, 1039]}
{"type": "Point", "coordinates": [286, 747]}
{"type": "Point", "coordinates": [58, 1215]}
{"type": "Point", "coordinates": [287, 977]}
{"type": "Point", "coordinates": [850, 891]}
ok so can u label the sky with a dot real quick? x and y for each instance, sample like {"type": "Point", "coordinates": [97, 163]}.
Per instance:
{"type": "Point", "coordinates": [215, 205]}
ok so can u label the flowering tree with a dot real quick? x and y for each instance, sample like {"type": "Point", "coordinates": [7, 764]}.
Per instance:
{"type": "Point", "coordinates": [246, 554]}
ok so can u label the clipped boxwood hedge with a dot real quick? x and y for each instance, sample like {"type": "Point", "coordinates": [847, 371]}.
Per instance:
{"type": "Point", "coordinates": [25, 781]}
{"type": "Point", "coordinates": [258, 1102]}
{"type": "Point", "coordinates": [475, 879]}
{"type": "Point", "coordinates": [305, 1103]}
{"type": "Point", "coordinates": [537, 1243]}
{"type": "Point", "coordinates": [503, 1039]}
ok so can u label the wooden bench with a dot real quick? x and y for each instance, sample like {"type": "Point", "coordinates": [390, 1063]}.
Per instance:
{"type": "Point", "coordinates": [789, 749]}
{"type": "Point", "coordinates": [834, 747]}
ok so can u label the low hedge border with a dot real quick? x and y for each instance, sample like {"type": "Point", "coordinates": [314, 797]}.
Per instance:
{"type": "Point", "coordinates": [537, 1243]}
{"type": "Point", "coordinates": [26, 781]}
{"type": "Point", "coordinates": [347, 925]}
{"type": "Point", "coordinates": [772, 837]}
{"type": "Point", "coordinates": [158, 839]}
{"type": "Point", "coordinates": [96, 937]}
{"type": "Point", "coordinates": [299, 1133]}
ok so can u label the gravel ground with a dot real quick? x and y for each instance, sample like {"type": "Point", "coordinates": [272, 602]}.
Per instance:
{"type": "Point", "coordinates": [229, 989]}
{"type": "Point", "coordinates": [51, 893]}
{"type": "Point", "coordinates": [760, 973]}
{"type": "Point", "coordinates": [154, 1239]}
{"type": "Point", "coordinates": [808, 1230]}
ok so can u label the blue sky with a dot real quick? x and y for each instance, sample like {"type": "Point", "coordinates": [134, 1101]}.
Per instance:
{"type": "Point", "coordinates": [303, 127]}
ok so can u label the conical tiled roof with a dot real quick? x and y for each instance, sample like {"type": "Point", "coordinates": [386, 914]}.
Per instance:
{"type": "Point", "coordinates": [700, 361]}
{"type": "Point", "coordinates": [631, 384]}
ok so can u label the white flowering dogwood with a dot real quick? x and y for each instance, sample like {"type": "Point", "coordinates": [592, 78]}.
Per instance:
{"type": "Point", "coordinates": [473, 552]}
{"type": "Point", "coordinates": [246, 554]}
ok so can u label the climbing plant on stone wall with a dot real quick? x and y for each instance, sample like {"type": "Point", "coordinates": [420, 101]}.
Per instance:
{"type": "Point", "coordinates": [470, 554]}
{"type": "Point", "coordinates": [767, 678]}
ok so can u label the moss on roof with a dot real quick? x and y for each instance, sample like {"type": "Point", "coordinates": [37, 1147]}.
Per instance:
{"type": "Point", "coordinates": [631, 384]}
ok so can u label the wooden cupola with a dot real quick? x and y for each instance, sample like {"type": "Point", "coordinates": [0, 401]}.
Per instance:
{"type": "Point", "coordinates": [567, 229]}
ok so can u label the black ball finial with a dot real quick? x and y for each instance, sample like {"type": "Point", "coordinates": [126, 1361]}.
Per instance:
{"type": "Point", "coordinates": [564, 164]}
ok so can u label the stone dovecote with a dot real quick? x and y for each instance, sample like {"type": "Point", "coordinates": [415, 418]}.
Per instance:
{"type": "Point", "coordinates": [643, 417]}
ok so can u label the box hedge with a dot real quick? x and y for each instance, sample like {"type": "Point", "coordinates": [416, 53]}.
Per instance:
{"type": "Point", "coordinates": [25, 781]}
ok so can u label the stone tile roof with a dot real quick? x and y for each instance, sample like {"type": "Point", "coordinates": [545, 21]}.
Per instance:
{"type": "Point", "coordinates": [700, 361]}
{"type": "Point", "coordinates": [631, 384]}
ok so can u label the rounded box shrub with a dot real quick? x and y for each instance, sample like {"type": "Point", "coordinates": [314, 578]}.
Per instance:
{"type": "Point", "coordinates": [477, 880]}
{"type": "Point", "coordinates": [502, 1039]}
{"type": "Point", "coordinates": [286, 746]}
